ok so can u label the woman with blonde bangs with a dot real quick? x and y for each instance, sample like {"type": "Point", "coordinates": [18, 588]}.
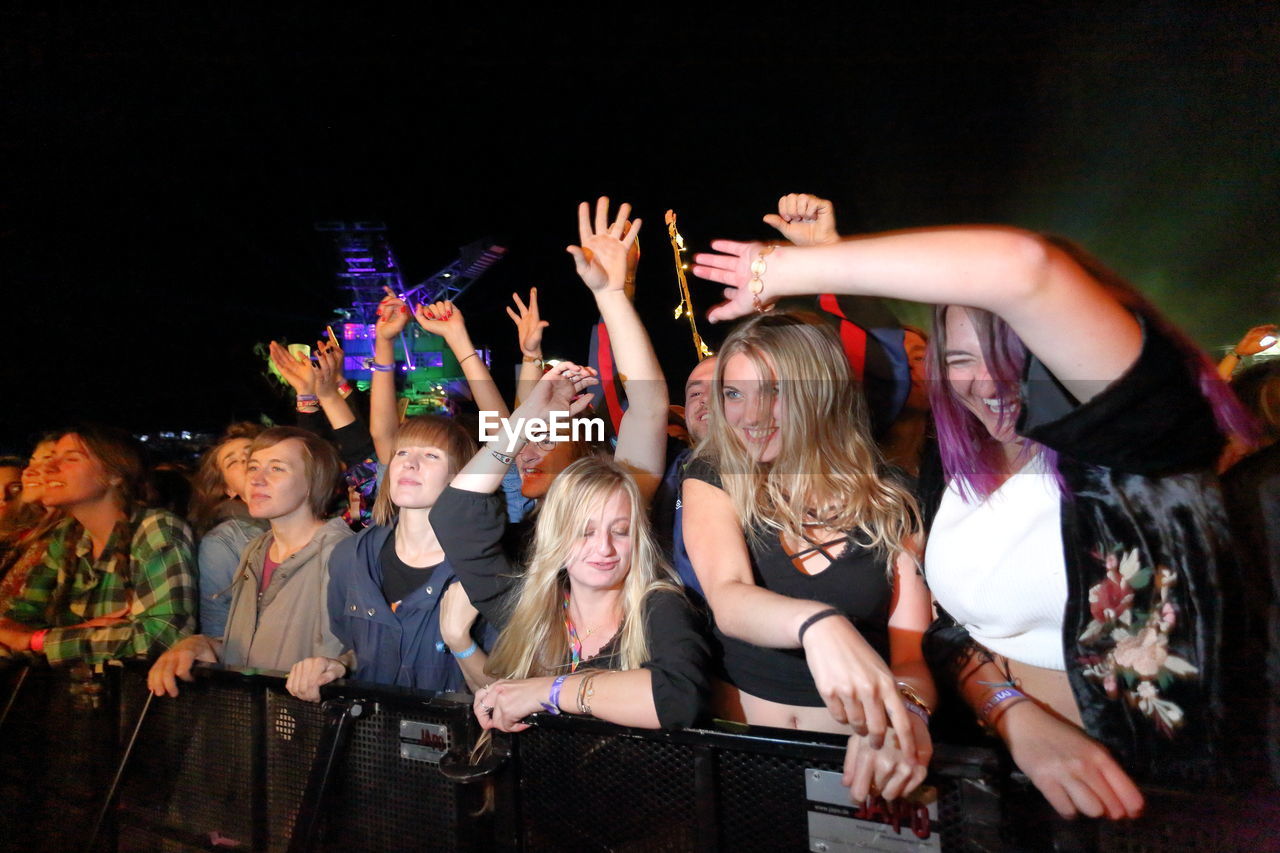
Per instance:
{"type": "Point", "coordinates": [805, 546]}
{"type": "Point", "coordinates": [595, 623]}
{"type": "Point", "coordinates": [392, 598]}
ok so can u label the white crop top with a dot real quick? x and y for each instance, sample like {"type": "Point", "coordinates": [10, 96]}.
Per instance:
{"type": "Point", "coordinates": [997, 566]}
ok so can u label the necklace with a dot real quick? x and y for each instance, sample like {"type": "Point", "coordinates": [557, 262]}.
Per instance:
{"type": "Point", "coordinates": [575, 641]}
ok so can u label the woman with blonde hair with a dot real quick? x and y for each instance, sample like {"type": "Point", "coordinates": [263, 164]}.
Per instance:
{"type": "Point", "coordinates": [595, 623]}
{"type": "Point", "coordinates": [804, 544]}
{"type": "Point", "coordinates": [1078, 548]}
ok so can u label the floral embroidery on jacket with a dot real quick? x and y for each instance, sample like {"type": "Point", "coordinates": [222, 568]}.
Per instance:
{"type": "Point", "coordinates": [1138, 664]}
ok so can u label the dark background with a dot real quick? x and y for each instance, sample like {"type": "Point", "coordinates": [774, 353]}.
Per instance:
{"type": "Point", "coordinates": [163, 164]}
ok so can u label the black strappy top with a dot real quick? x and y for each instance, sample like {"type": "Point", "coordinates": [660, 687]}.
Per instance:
{"type": "Point", "coordinates": [856, 582]}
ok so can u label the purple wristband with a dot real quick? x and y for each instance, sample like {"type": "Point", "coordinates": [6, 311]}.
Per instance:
{"type": "Point", "coordinates": [913, 708]}
{"type": "Point", "coordinates": [552, 705]}
{"type": "Point", "coordinates": [998, 698]}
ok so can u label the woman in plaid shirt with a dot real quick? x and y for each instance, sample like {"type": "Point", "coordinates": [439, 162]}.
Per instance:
{"type": "Point", "coordinates": [118, 578]}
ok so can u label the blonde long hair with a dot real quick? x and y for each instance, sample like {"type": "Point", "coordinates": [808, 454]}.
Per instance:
{"type": "Point", "coordinates": [828, 469]}
{"type": "Point", "coordinates": [534, 641]}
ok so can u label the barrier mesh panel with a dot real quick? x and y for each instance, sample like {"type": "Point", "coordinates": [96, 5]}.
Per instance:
{"type": "Point", "coordinates": [190, 778]}
{"type": "Point", "coordinates": [969, 812]}
{"type": "Point", "coordinates": [386, 802]}
{"type": "Point", "coordinates": [293, 730]}
{"type": "Point", "coordinates": [57, 756]}
{"type": "Point", "coordinates": [762, 801]}
{"type": "Point", "coordinates": [594, 792]}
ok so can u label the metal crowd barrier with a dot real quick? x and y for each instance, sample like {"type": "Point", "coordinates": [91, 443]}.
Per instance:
{"type": "Point", "coordinates": [235, 763]}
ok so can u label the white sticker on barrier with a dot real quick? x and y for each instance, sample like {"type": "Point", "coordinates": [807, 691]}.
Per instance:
{"type": "Point", "coordinates": [836, 825]}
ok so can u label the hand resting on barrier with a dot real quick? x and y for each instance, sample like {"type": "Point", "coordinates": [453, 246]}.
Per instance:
{"type": "Point", "coordinates": [889, 771]}
{"type": "Point", "coordinates": [307, 676]}
{"type": "Point", "coordinates": [1075, 773]}
{"type": "Point", "coordinates": [176, 663]}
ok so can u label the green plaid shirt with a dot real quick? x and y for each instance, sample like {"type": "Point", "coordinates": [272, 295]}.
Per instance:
{"type": "Point", "coordinates": [154, 579]}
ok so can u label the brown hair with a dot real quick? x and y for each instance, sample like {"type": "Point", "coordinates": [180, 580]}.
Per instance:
{"type": "Point", "coordinates": [425, 431]}
{"type": "Point", "coordinates": [319, 459]}
{"type": "Point", "coordinates": [208, 488]}
{"type": "Point", "coordinates": [122, 457]}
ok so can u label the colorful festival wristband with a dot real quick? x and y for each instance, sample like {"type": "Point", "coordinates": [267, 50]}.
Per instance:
{"type": "Point", "coordinates": [552, 705]}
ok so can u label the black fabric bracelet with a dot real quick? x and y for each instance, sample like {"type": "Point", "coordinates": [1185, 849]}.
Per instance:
{"type": "Point", "coordinates": [817, 617]}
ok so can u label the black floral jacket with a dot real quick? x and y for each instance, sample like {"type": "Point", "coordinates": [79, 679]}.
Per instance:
{"type": "Point", "coordinates": [1148, 555]}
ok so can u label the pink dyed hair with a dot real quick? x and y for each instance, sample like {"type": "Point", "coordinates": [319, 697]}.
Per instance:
{"type": "Point", "coordinates": [972, 458]}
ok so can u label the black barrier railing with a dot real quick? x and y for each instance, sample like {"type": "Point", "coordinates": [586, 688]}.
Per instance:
{"type": "Point", "coordinates": [235, 762]}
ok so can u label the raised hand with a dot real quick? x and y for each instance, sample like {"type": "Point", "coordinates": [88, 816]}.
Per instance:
{"type": "Point", "coordinates": [296, 369]}
{"type": "Point", "coordinates": [805, 220]}
{"type": "Point", "coordinates": [329, 364]}
{"type": "Point", "coordinates": [561, 389]}
{"type": "Point", "coordinates": [1257, 339]}
{"type": "Point", "coordinates": [730, 265]}
{"type": "Point", "coordinates": [393, 316]}
{"type": "Point", "coordinates": [529, 324]}
{"type": "Point", "coordinates": [601, 257]}
{"type": "Point", "coordinates": [440, 318]}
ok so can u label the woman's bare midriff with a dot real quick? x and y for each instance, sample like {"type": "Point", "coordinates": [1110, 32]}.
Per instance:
{"type": "Point", "coordinates": [733, 704]}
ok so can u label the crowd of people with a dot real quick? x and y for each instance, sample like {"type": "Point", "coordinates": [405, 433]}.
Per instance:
{"type": "Point", "coordinates": [1015, 521]}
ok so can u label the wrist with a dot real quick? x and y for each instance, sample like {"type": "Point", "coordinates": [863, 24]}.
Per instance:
{"type": "Point", "coordinates": [815, 618]}
{"type": "Point", "coordinates": [1012, 717]}
{"type": "Point", "coordinates": [22, 641]}
{"type": "Point", "coordinates": [552, 705]}
{"type": "Point", "coordinates": [613, 292]}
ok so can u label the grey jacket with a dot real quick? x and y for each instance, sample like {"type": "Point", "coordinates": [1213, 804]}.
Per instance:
{"type": "Point", "coordinates": [289, 621]}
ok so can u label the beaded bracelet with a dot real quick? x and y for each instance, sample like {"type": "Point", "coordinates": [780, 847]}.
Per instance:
{"type": "Point", "coordinates": [381, 368]}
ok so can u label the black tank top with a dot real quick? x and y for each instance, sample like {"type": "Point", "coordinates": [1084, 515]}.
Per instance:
{"type": "Point", "coordinates": [856, 582]}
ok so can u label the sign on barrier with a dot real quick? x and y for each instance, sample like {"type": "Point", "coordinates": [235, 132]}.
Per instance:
{"type": "Point", "coordinates": [836, 825]}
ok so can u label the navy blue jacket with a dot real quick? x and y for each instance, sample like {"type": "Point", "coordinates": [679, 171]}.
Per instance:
{"type": "Point", "coordinates": [391, 647]}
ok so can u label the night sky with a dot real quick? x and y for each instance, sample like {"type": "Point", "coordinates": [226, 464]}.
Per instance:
{"type": "Point", "coordinates": [163, 164]}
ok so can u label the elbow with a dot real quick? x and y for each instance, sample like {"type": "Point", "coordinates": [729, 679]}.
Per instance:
{"type": "Point", "coordinates": [680, 718]}
{"type": "Point", "coordinates": [683, 711]}
{"type": "Point", "coordinates": [1030, 261]}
